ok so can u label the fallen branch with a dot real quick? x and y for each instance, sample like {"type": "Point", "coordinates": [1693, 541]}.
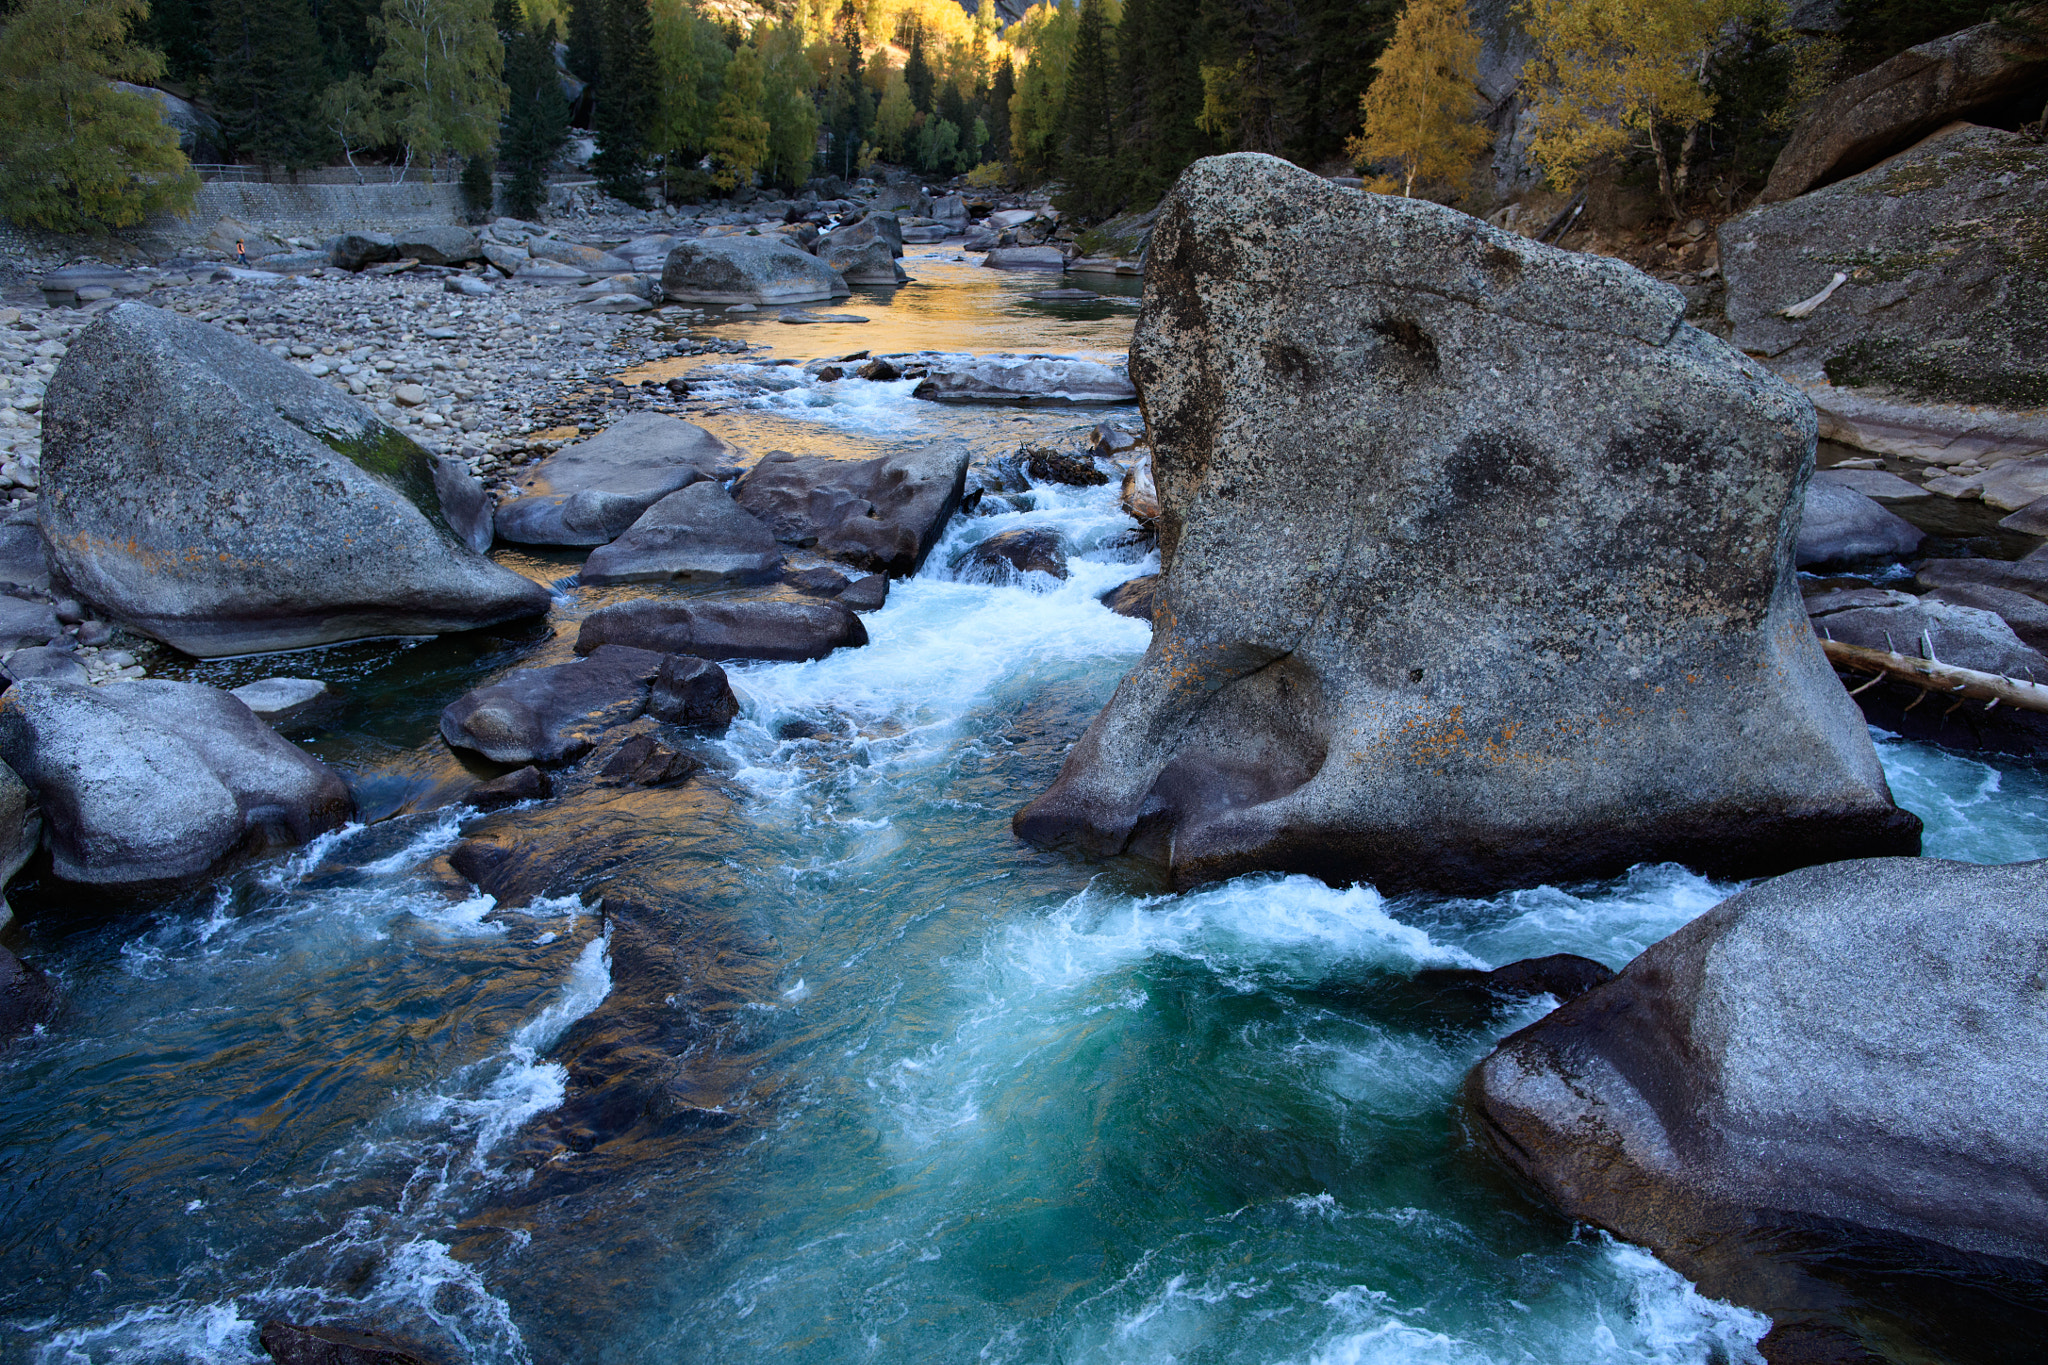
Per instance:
{"type": "Point", "coordinates": [1804, 308]}
{"type": "Point", "coordinates": [1931, 675]}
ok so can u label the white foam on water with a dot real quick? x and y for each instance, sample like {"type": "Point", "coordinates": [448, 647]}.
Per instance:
{"type": "Point", "coordinates": [183, 1331]}
{"type": "Point", "coordinates": [1611, 922]}
{"type": "Point", "coordinates": [1974, 812]}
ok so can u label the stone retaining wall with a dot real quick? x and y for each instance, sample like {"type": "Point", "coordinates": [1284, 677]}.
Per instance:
{"type": "Point", "coordinates": [313, 210]}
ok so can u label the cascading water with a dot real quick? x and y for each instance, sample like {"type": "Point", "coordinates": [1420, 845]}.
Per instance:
{"type": "Point", "coordinates": [835, 1069]}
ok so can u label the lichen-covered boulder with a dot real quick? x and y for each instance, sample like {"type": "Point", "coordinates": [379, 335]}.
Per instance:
{"type": "Point", "coordinates": [1945, 297]}
{"type": "Point", "coordinates": [1477, 567]}
{"type": "Point", "coordinates": [217, 498]}
{"type": "Point", "coordinates": [747, 270]}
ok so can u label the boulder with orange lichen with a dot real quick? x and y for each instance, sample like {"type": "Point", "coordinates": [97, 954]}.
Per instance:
{"type": "Point", "coordinates": [1477, 568]}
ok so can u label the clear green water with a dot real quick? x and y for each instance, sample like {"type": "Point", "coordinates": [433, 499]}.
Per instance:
{"type": "Point", "coordinates": [810, 1060]}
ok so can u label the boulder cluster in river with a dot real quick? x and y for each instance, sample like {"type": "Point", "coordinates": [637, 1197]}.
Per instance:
{"type": "Point", "coordinates": [1480, 567]}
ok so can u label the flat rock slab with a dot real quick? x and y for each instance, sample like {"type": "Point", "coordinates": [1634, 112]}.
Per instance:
{"type": "Point", "coordinates": [1842, 526]}
{"type": "Point", "coordinates": [760, 628]}
{"type": "Point", "coordinates": [552, 715]}
{"type": "Point", "coordinates": [797, 318]}
{"type": "Point", "coordinates": [747, 270]}
{"type": "Point", "coordinates": [883, 515]}
{"type": "Point", "coordinates": [696, 534]}
{"type": "Point", "coordinates": [1030, 380]}
{"type": "Point", "coordinates": [280, 699]}
{"type": "Point", "coordinates": [1535, 616]}
{"type": "Point", "coordinates": [1063, 295]}
{"type": "Point", "coordinates": [1872, 483]}
{"type": "Point", "coordinates": [1025, 258]}
{"type": "Point", "coordinates": [589, 493]}
{"type": "Point", "coordinates": [1841, 1047]}
{"type": "Point", "coordinates": [150, 784]}
{"type": "Point", "coordinates": [204, 492]}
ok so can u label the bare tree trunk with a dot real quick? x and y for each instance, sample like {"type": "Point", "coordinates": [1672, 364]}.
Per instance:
{"type": "Point", "coordinates": [1664, 186]}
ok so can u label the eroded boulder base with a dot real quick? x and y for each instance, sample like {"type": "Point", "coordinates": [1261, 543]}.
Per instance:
{"type": "Point", "coordinates": [1535, 616]}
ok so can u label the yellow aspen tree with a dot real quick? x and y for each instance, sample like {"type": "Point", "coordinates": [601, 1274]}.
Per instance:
{"type": "Point", "coordinates": [1421, 110]}
{"type": "Point", "coordinates": [1611, 74]}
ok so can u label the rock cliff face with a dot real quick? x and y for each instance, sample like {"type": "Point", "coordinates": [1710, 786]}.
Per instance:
{"type": "Point", "coordinates": [1477, 568]}
{"type": "Point", "coordinates": [1945, 265]}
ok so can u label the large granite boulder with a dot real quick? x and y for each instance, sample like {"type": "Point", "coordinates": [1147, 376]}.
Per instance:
{"type": "Point", "coordinates": [358, 250]}
{"type": "Point", "coordinates": [552, 715]}
{"type": "Point", "coordinates": [1841, 526]}
{"type": "Point", "coordinates": [1026, 379]}
{"type": "Point", "coordinates": [781, 629]}
{"type": "Point", "coordinates": [1991, 73]}
{"type": "Point", "coordinates": [1534, 617]}
{"type": "Point", "coordinates": [696, 534]}
{"type": "Point", "coordinates": [590, 492]}
{"type": "Point", "coordinates": [209, 494]}
{"type": "Point", "coordinates": [747, 270]}
{"type": "Point", "coordinates": [588, 259]}
{"type": "Point", "coordinates": [866, 252]}
{"type": "Point", "coordinates": [21, 829]}
{"type": "Point", "coordinates": [444, 245]}
{"type": "Point", "coordinates": [1850, 1054]}
{"type": "Point", "coordinates": [1945, 298]}
{"type": "Point", "coordinates": [150, 784]}
{"type": "Point", "coordinates": [883, 515]}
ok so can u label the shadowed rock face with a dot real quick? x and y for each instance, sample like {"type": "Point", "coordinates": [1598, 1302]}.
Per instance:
{"type": "Point", "coordinates": [592, 492]}
{"type": "Point", "coordinates": [1477, 568]}
{"type": "Point", "coordinates": [1853, 1048]}
{"type": "Point", "coordinates": [213, 496]}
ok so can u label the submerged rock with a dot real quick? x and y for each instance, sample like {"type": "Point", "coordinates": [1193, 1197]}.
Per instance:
{"type": "Point", "coordinates": [1564, 975]}
{"type": "Point", "coordinates": [207, 493]}
{"type": "Point", "coordinates": [529, 783]}
{"type": "Point", "coordinates": [290, 1344]}
{"type": "Point", "coordinates": [1026, 379]}
{"type": "Point", "coordinates": [274, 700]}
{"type": "Point", "coordinates": [21, 830]}
{"type": "Point", "coordinates": [149, 784]}
{"type": "Point", "coordinates": [1849, 1048]}
{"type": "Point", "coordinates": [692, 691]}
{"type": "Point", "coordinates": [1535, 618]}
{"type": "Point", "coordinates": [747, 270]}
{"type": "Point", "coordinates": [552, 715]}
{"type": "Point", "coordinates": [1008, 555]}
{"type": "Point", "coordinates": [1135, 598]}
{"type": "Point", "coordinates": [756, 628]}
{"type": "Point", "coordinates": [591, 492]}
{"type": "Point", "coordinates": [645, 761]}
{"type": "Point", "coordinates": [26, 996]}
{"type": "Point", "coordinates": [883, 514]}
{"type": "Point", "coordinates": [696, 534]}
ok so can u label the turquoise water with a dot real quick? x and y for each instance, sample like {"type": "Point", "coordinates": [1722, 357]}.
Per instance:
{"type": "Point", "coordinates": [810, 1060]}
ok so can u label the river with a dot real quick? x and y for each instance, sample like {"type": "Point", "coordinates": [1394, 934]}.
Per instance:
{"type": "Point", "coordinates": [809, 1060]}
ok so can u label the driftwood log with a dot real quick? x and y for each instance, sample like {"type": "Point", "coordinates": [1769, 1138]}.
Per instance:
{"type": "Point", "coordinates": [1934, 676]}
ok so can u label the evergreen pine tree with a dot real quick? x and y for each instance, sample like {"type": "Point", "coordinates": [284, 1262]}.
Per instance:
{"type": "Point", "coordinates": [625, 107]}
{"type": "Point", "coordinates": [585, 37]}
{"type": "Point", "coordinates": [80, 155]}
{"type": "Point", "coordinates": [917, 72]}
{"type": "Point", "coordinates": [183, 31]}
{"type": "Point", "coordinates": [949, 106]}
{"type": "Point", "coordinates": [1000, 91]}
{"type": "Point", "coordinates": [1088, 161]}
{"type": "Point", "coordinates": [267, 79]}
{"type": "Point", "coordinates": [1341, 39]}
{"type": "Point", "coordinates": [350, 34]}
{"type": "Point", "coordinates": [536, 119]}
{"type": "Point", "coordinates": [478, 189]}
{"type": "Point", "coordinates": [849, 104]}
{"type": "Point", "coordinates": [1173, 136]}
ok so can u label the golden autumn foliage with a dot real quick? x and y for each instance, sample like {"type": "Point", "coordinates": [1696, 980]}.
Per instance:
{"type": "Point", "coordinates": [1421, 109]}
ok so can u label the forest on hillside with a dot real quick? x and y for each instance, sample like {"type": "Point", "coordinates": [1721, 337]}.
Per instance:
{"type": "Point", "coordinates": [1105, 100]}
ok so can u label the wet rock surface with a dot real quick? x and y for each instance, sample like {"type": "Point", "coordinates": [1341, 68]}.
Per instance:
{"type": "Point", "coordinates": [1024, 379]}
{"type": "Point", "coordinates": [291, 1344]}
{"type": "Point", "coordinates": [692, 691]}
{"type": "Point", "coordinates": [1772, 1083]}
{"type": "Point", "coordinates": [553, 715]}
{"type": "Point", "coordinates": [1504, 639]}
{"type": "Point", "coordinates": [756, 628]}
{"type": "Point", "coordinates": [1840, 525]}
{"type": "Point", "coordinates": [883, 515]}
{"type": "Point", "coordinates": [1008, 555]}
{"type": "Point", "coordinates": [214, 497]}
{"type": "Point", "coordinates": [697, 534]}
{"type": "Point", "coordinates": [592, 492]}
{"type": "Point", "coordinates": [150, 784]}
